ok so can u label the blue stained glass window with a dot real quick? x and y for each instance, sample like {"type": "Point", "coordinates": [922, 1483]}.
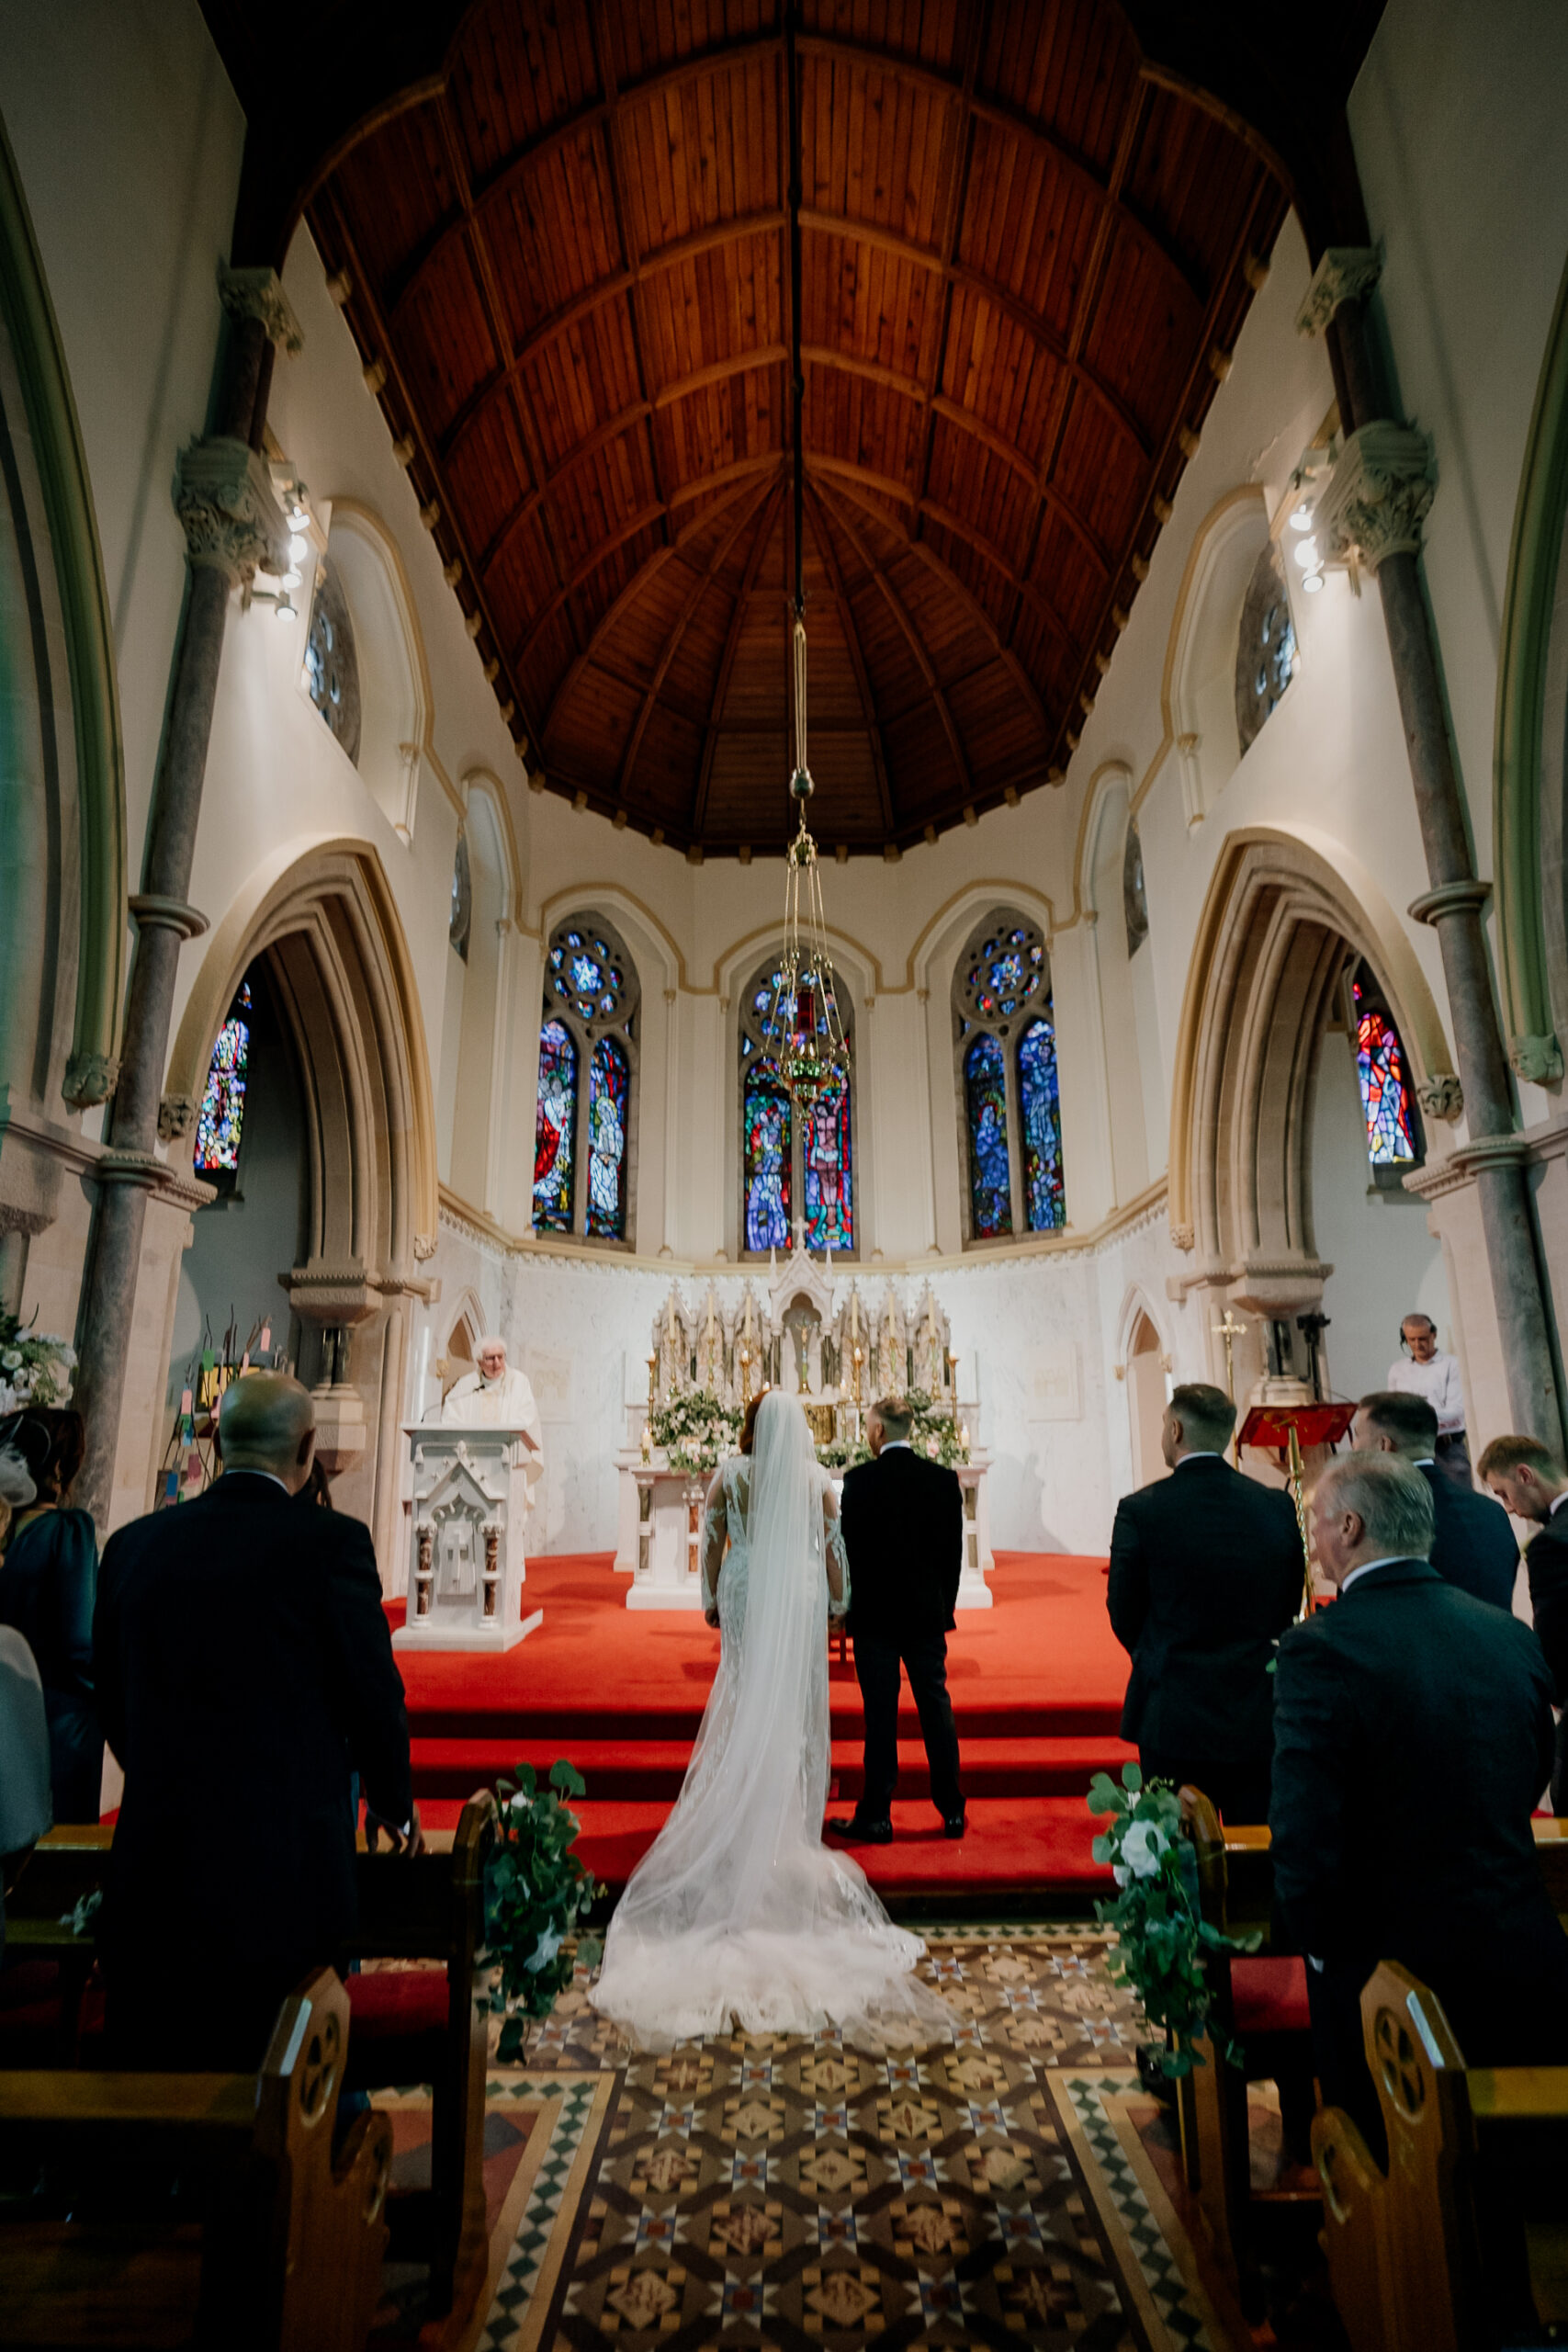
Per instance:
{"type": "Point", "coordinates": [766, 1139]}
{"type": "Point", "coordinates": [1385, 1088]}
{"type": "Point", "coordinates": [829, 1210]}
{"type": "Point", "coordinates": [985, 1090]}
{"type": "Point", "coordinates": [1044, 1199]}
{"type": "Point", "coordinates": [554, 1129]}
{"type": "Point", "coordinates": [609, 1093]}
{"type": "Point", "coordinates": [222, 1117]}
{"type": "Point", "coordinates": [586, 975]}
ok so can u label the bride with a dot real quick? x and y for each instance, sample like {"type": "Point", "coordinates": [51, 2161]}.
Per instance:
{"type": "Point", "coordinates": [738, 1917]}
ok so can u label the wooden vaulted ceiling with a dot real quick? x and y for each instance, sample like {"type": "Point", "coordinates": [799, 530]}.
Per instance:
{"type": "Point", "coordinates": [1024, 262]}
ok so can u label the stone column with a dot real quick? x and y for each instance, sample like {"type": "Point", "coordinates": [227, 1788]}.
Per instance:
{"type": "Point", "coordinates": [1371, 513]}
{"type": "Point", "coordinates": [234, 524]}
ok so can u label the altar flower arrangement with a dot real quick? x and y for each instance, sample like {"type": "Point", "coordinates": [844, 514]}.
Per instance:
{"type": "Point", "coordinates": [1161, 1934]}
{"type": "Point", "coordinates": [535, 1892]}
{"type": "Point", "coordinates": [35, 1366]}
{"type": "Point", "coordinates": [934, 1434]}
{"type": "Point", "coordinates": [695, 1429]}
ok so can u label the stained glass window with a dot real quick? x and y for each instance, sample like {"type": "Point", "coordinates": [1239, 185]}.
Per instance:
{"type": "Point", "coordinates": [1266, 647]}
{"type": "Point", "coordinates": [331, 664]}
{"type": "Point", "coordinates": [990, 1182]}
{"type": "Point", "coordinates": [1384, 1081]}
{"type": "Point", "coordinates": [222, 1118]}
{"type": "Point", "coordinates": [554, 1129]}
{"type": "Point", "coordinates": [793, 1165]}
{"type": "Point", "coordinates": [609, 1094]}
{"type": "Point", "coordinates": [1045, 1200]}
{"type": "Point", "coordinates": [460, 917]}
{"type": "Point", "coordinates": [766, 1154]}
{"type": "Point", "coordinates": [830, 1213]}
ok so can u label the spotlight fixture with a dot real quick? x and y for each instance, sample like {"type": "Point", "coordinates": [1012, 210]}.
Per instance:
{"type": "Point", "coordinates": [1307, 556]}
{"type": "Point", "coordinates": [1301, 517]}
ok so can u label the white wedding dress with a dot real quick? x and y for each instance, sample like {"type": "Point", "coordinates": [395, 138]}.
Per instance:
{"type": "Point", "coordinates": [738, 1917]}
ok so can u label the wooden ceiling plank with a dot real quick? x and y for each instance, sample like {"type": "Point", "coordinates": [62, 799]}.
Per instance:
{"type": "Point", "coordinates": [1021, 125]}
{"type": "Point", "coordinates": [452, 531]}
{"type": "Point", "coordinates": [965, 421]}
{"type": "Point", "coordinates": [449, 230]}
{"type": "Point", "coordinates": [890, 240]}
{"type": "Point", "coordinates": [900, 613]}
{"type": "Point", "coordinates": [592, 443]}
{"type": "Point", "coordinates": [672, 643]}
{"type": "Point", "coordinates": [615, 160]}
{"type": "Point", "coordinates": [600, 552]}
{"type": "Point", "coordinates": [892, 380]}
{"type": "Point", "coordinates": [953, 211]}
{"type": "Point", "coordinates": [766, 355]}
{"type": "Point", "coordinates": [742, 469]}
{"type": "Point", "coordinates": [857, 657]}
{"type": "Point", "coordinates": [726, 665]}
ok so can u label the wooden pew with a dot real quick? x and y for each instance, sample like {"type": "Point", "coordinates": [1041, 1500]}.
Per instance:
{"type": "Point", "coordinates": [286, 2255]}
{"type": "Point", "coordinates": [1408, 2250]}
{"type": "Point", "coordinates": [426, 2026]}
{"type": "Point", "coordinates": [1236, 1885]}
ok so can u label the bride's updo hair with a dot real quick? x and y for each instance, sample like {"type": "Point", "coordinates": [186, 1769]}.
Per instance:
{"type": "Point", "coordinates": [749, 1426]}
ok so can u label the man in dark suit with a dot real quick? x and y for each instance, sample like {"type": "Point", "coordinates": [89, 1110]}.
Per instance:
{"type": "Point", "coordinates": [1206, 1572]}
{"type": "Point", "coordinates": [902, 1527]}
{"type": "Point", "coordinates": [1529, 1481]}
{"type": "Point", "coordinates": [245, 1670]}
{"type": "Point", "coordinates": [1413, 1736]}
{"type": "Point", "coordinates": [1475, 1545]}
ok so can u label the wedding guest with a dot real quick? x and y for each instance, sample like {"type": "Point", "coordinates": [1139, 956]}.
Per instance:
{"type": "Point", "coordinates": [1206, 1572]}
{"type": "Point", "coordinates": [1475, 1545]}
{"type": "Point", "coordinates": [244, 1667]}
{"type": "Point", "coordinates": [1424, 1369]}
{"type": "Point", "coordinates": [47, 1583]}
{"type": "Point", "coordinates": [1529, 1480]}
{"type": "Point", "coordinates": [1413, 1736]}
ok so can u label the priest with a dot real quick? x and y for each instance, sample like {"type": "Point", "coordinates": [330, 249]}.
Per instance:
{"type": "Point", "coordinates": [495, 1397]}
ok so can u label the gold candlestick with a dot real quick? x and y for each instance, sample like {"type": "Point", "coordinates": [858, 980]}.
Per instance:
{"type": "Point", "coordinates": [859, 1360]}
{"type": "Point", "coordinates": [652, 1380]}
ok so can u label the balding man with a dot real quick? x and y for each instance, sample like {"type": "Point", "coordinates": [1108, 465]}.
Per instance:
{"type": "Point", "coordinates": [245, 1670]}
{"type": "Point", "coordinates": [1412, 1738]}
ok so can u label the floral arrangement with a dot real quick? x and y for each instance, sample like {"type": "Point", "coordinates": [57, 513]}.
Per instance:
{"type": "Point", "coordinates": [35, 1366]}
{"type": "Point", "coordinates": [695, 1429]}
{"type": "Point", "coordinates": [536, 1890]}
{"type": "Point", "coordinates": [1161, 1933]}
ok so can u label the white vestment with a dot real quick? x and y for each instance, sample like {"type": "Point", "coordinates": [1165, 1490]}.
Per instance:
{"type": "Point", "coordinates": [508, 1403]}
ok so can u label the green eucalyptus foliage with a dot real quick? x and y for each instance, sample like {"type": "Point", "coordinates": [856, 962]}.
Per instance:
{"type": "Point", "coordinates": [1161, 1934]}
{"type": "Point", "coordinates": [535, 1892]}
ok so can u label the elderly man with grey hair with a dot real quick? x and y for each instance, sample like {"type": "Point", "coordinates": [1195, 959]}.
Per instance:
{"type": "Point", "coordinates": [498, 1397]}
{"type": "Point", "coordinates": [1412, 1740]}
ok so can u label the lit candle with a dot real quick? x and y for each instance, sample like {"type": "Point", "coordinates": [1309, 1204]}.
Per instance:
{"type": "Point", "coordinates": [964, 1437]}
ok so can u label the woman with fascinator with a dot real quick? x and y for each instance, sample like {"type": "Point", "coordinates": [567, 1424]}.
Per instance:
{"type": "Point", "coordinates": [738, 1917]}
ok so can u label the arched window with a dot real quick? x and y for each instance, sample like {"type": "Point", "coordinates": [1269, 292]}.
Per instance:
{"type": "Point", "coordinates": [1134, 894]}
{"type": "Point", "coordinates": [332, 660]}
{"type": "Point", "coordinates": [1266, 647]}
{"type": "Point", "coordinates": [1383, 1070]}
{"type": "Point", "coordinates": [582, 1165]}
{"type": "Point", "coordinates": [460, 921]}
{"type": "Point", "coordinates": [220, 1123]}
{"type": "Point", "coordinates": [796, 1170]}
{"type": "Point", "coordinates": [1005, 1045]}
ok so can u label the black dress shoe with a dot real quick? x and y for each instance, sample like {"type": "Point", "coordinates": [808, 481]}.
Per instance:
{"type": "Point", "coordinates": [864, 1833]}
{"type": "Point", "coordinates": [954, 1824]}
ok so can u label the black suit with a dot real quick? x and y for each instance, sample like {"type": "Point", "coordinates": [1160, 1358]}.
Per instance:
{"type": "Point", "coordinates": [1413, 1736]}
{"type": "Point", "coordinates": [243, 1670]}
{"type": "Point", "coordinates": [1546, 1562]}
{"type": "Point", "coordinates": [1473, 1546]}
{"type": "Point", "coordinates": [1206, 1572]}
{"type": "Point", "coordinates": [903, 1529]}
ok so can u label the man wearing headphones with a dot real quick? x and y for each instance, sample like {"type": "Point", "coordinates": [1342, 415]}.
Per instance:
{"type": "Point", "coordinates": [1424, 1371]}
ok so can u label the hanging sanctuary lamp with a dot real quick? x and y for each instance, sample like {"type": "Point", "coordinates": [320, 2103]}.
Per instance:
{"type": "Point", "coordinates": [802, 1028]}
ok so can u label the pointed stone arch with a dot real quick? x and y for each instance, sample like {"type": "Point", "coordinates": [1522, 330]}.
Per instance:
{"type": "Point", "coordinates": [1285, 914]}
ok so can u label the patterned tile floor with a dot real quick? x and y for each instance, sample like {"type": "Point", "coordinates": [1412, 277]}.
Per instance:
{"type": "Point", "coordinates": [800, 2193]}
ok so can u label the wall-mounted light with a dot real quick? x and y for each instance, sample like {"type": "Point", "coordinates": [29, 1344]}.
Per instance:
{"type": "Point", "coordinates": [282, 606]}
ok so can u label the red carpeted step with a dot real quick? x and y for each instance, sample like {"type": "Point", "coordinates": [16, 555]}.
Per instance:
{"type": "Point", "coordinates": [1011, 1848]}
{"type": "Point", "coordinates": [622, 1769]}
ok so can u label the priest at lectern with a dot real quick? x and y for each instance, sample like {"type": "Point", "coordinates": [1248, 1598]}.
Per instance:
{"type": "Point", "coordinates": [495, 1398]}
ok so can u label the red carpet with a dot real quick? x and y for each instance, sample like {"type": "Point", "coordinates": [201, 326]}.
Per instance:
{"type": "Point", "coordinates": [1036, 1686]}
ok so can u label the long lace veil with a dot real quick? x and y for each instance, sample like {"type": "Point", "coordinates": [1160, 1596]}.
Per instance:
{"type": "Point", "coordinates": [738, 1912]}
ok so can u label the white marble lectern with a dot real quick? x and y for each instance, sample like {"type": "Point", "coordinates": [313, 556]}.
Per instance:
{"type": "Point", "coordinates": [466, 1559]}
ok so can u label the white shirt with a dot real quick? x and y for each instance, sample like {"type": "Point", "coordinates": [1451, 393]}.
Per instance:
{"type": "Point", "coordinates": [1367, 1565]}
{"type": "Point", "coordinates": [897, 1445]}
{"type": "Point", "coordinates": [1558, 1501]}
{"type": "Point", "coordinates": [1439, 1382]}
{"type": "Point", "coordinates": [244, 1470]}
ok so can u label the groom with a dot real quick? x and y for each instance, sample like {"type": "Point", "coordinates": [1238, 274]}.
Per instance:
{"type": "Point", "coordinates": [902, 1518]}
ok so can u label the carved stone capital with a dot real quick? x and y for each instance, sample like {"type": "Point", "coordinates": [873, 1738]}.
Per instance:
{"type": "Point", "coordinates": [423, 1246]}
{"type": "Point", "coordinates": [177, 1117]}
{"type": "Point", "coordinates": [1441, 1097]}
{"type": "Point", "coordinates": [90, 1077]}
{"type": "Point", "coordinates": [1345, 274]}
{"type": "Point", "coordinates": [1537, 1058]}
{"type": "Point", "coordinates": [258, 294]}
{"type": "Point", "coordinates": [1377, 496]}
{"type": "Point", "coordinates": [224, 498]}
